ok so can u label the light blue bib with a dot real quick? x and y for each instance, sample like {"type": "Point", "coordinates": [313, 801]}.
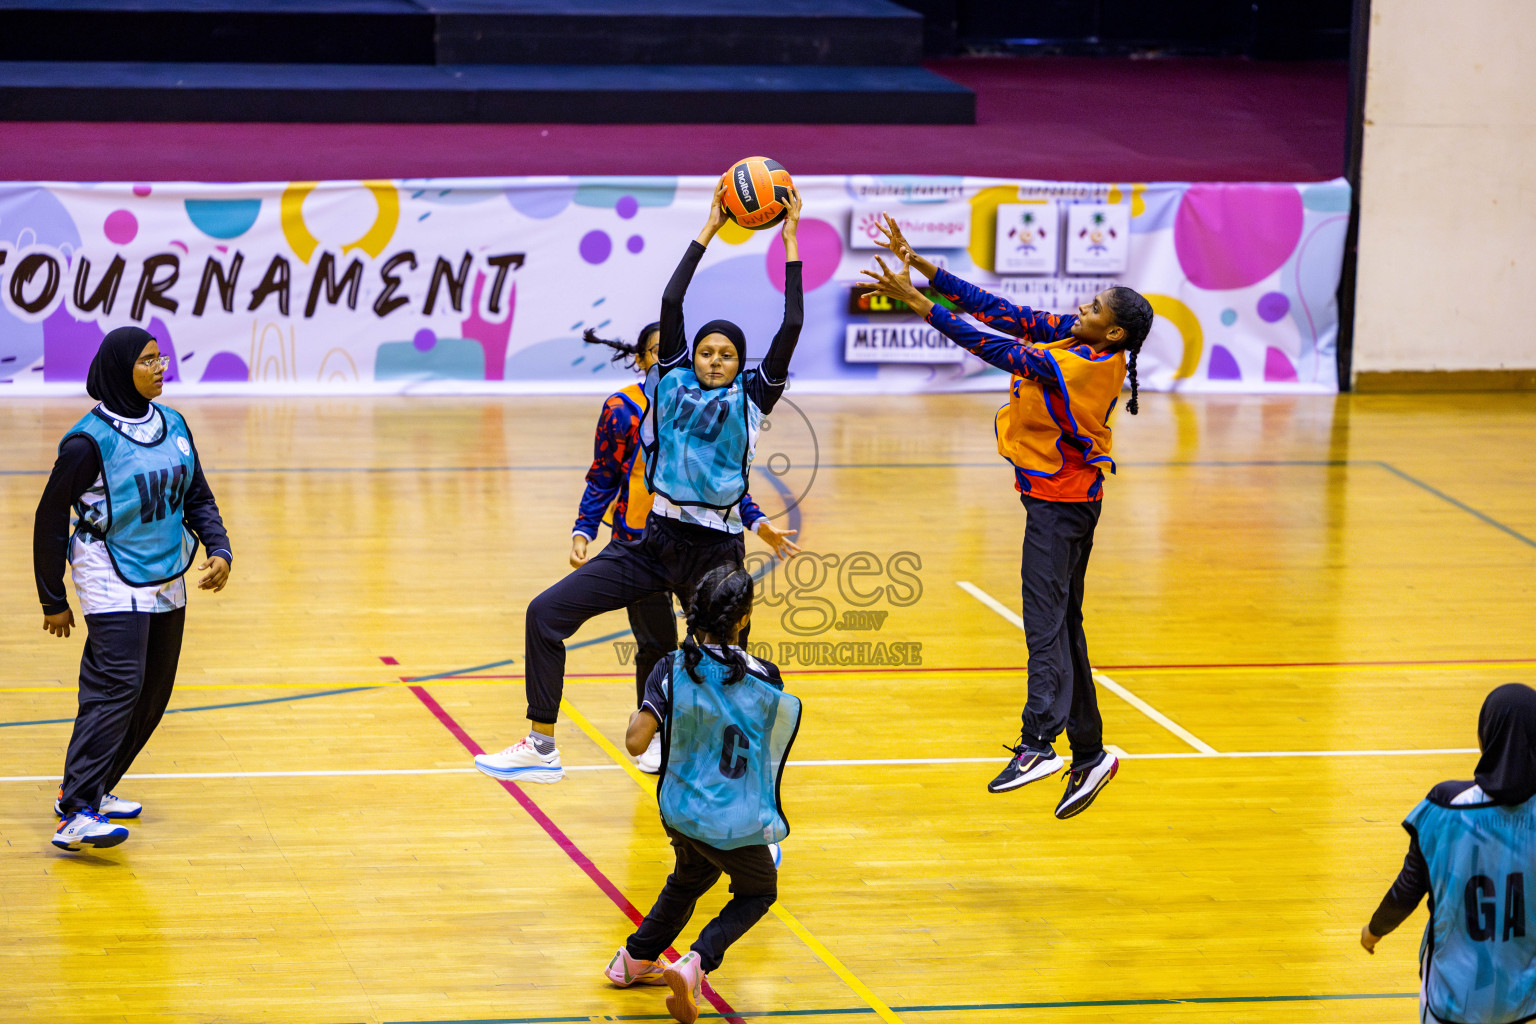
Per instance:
{"type": "Point", "coordinates": [141, 523]}
{"type": "Point", "coordinates": [725, 752]}
{"type": "Point", "coordinates": [698, 443]}
{"type": "Point", "coordinates": [1478, 958]}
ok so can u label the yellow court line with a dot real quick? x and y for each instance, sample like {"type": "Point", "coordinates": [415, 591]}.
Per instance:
{"type": "Point", "coordinates": [812, 943]}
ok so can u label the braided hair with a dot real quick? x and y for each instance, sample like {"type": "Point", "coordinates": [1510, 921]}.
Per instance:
{"type": "Point", "coordinates": [623, 351]}
{"type": "Point", "coordinates": [1133, 314]}
{"type": "Point", "coordinates": [723, 596]}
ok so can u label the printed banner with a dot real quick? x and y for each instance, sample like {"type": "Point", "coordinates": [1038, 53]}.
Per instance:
{"type": "Point", "coordinates": [487, 284]}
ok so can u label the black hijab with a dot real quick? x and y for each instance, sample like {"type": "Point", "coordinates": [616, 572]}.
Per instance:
{"type": "Point", "coordinates": [1506, 730]}
{"type": "Point", "coordinates": [732, 333]}
{"type": "Point", "coordinates": [110, 379]}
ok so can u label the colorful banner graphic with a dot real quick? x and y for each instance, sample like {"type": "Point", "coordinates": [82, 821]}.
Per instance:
{"type": "Point", "coordinates": [487, 284]}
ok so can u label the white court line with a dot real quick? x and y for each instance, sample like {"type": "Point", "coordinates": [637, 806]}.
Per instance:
{"type": "Point", "coordinates": [1103, 680]}
{"type": "Point", "coordinates": [1154, 714]}
{"type": "Point", "coordinates": [852, 763]}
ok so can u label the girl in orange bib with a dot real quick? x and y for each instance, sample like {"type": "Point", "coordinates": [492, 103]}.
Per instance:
{"type": "Point", "coordinates": [1067, 375]}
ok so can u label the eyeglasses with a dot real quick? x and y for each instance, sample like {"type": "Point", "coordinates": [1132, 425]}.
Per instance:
{"type": "Point", "coordinates": [155, 362]}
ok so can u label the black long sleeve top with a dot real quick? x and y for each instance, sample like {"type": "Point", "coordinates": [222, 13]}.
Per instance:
{"type": "Point", "coordinates": [1412, 883]}
{"type": "Point", "coordinates": [74, 472]}
{"type": "Point", "coordinates": [766, 385]}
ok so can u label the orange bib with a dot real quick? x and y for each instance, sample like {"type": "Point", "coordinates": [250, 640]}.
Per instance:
{"type": "Point", "coordinates": [1037, 418]}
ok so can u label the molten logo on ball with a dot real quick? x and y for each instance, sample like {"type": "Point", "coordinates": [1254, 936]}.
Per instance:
{"type": "Point", "coordinates": [758, 196]}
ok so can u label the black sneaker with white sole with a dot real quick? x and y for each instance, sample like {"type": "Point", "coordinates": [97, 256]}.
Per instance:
{"type": "Point", "coordinates": [1027, 765]}
{"type": "Point", "coordinates": [1083, 784]}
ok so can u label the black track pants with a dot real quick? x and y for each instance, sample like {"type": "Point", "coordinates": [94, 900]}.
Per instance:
{"type": "Point", "coordinates": [126, 675]}
{"type": "Point", "coordinates": [655, 629]}
{"type": "Point", "coordinates": [670, 556]}
{"type": "Point", "coordinates": [1058, 538]}
{"type": "Point", "coordinates": [754, 887]}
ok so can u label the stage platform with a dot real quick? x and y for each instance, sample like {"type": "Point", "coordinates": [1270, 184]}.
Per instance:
{"type": "Point", "coordinates": [1062, 119]}
{"type": "Point", "coordinates": [466, 61]}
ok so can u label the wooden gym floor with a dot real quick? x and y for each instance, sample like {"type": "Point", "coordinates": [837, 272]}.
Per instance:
{"type": "Point", "coordinates": [1296, 606]}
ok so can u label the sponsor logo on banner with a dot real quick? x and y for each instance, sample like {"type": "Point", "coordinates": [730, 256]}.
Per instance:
{"type": "Point", "coordinates": [1098, 238]}
{"type": "Point", "coordinates": [933, 226]}
{"type": "Point", "coordinates": [899, 343]}
{"type": "Point", "coordinates": [1028, 238]}
{"type": "Point", "coordinates": [862, 301]}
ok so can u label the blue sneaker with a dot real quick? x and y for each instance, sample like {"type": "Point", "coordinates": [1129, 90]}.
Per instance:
{"type": "Point", "coordinates": [87, 828]}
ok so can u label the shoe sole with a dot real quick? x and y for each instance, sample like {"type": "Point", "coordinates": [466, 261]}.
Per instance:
{"type": "Point", "coordinates": [522, 774]}
{"type": "Point", "coordinates": [646, 769]}
{"type": "Point", "coordinates": [99, 842]}
{"type": "Point", "coordinates": [1041, 771]}
{"type": "Point", "coordinates": [680, 1004]}
{"type": "Point", "coordinates": [1082, 805]}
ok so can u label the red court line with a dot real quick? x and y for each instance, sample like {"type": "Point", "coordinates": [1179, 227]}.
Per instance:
{"type": "Point", "coordinates": [941, 670]}
{"type": "Point", "coordinates": [564, 842]}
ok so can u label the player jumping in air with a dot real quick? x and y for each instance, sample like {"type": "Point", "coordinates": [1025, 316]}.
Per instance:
{"type": "Point", "coordinates": [1067, 374]}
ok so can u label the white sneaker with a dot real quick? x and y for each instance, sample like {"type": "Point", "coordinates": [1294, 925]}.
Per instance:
{"type": "Point", "coordinates": [87, 828]}
{"type": "Point", "coordinates": [522, 762]}
{"type": "Point", "coordinates": [777, 853]}
{"type": "Point", "coordinates": [650, 760]}
{"type": "Point", "coordinates": [111, 807]}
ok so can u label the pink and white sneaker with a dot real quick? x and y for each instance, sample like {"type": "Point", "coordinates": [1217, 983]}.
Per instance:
{"type": "Point", "coordinates": [624, 970]}
{"type": "Point", "coordinates": [685, 977]}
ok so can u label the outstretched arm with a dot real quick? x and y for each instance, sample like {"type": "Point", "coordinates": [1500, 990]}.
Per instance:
{"type": "Point", "coordinates": [1004, 353]}
{"type": "Point", "coordinates": [774, 371]}
{"type": "Point", "coordinates": [992, 310]}
{"type": "Point", "coordinates": [673, 346]}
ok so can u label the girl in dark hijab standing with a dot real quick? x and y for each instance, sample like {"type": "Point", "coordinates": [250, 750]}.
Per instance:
{"type": "Point", "coordinates": [1472, 848]}
{"type": "Point", "coordinates": [699, 435]}
{"type": "Point", "coordinates": [129, 472]}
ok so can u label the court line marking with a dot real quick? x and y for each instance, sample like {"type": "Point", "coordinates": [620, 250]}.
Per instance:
{"type": "Point", "coordinates": [1154, 714]}
{"type": "Point", "coordinates": [564, 842]}
{"type": "Point", "coordinates": [1103, 680]}
{"type": "Point", "coordinates": [1461, 505]}
{"type": "Point", "coordinates": [799, 930]}
{"type": "Point", "coordinates": [950, 1008]}
{"type": "Point", "coordinates": [207, 707]}
{"type": "Point", "coordinates": [873, 762]}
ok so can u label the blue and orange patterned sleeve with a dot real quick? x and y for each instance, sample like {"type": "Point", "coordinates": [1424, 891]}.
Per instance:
{"type": "Point", "coordinates": [616, 430]}
{"type": "Point", "coordinates": [1002, 315]}
{"type": "Point", "coordinates": [751, 515]}
{"type": "Point", "coordinates": [1008, 354]}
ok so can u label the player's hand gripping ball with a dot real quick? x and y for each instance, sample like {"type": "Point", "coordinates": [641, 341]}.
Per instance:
{"type": "Point", "coordinates": [757, 192]}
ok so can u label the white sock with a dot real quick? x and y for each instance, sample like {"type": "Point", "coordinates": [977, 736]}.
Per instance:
{"type": "Point", "coordinates": [543, 744]}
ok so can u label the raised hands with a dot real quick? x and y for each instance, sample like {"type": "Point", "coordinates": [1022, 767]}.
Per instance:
{"type": "Point", "coordinates": [899, 247]}
{"type": "Point", "coordinates": [717, 213]}
{"type": "Point", "coordinates": [790, 224]}
{"type": "Point", "coordinates": [899, 286]}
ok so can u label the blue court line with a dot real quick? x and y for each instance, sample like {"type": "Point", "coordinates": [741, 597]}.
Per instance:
{"type": "Point", "coordinates": [1522, 538]}
{"type": "Point", "coordinates": [950, 1008]}
{"type": "Point", "coordinates": [215, 707]}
